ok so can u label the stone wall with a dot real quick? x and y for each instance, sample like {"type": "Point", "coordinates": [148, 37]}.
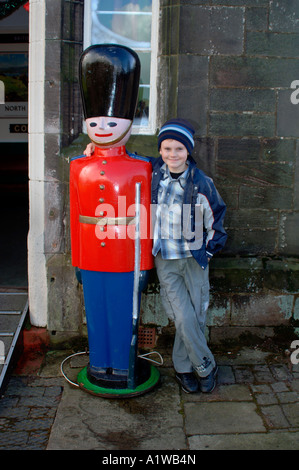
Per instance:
{"type": "Point", "coordinates": [237, 61]}
{"type": "Point", "coordinates": [228, 66]}
{"type": "Point", "coordinates": [63, 123]}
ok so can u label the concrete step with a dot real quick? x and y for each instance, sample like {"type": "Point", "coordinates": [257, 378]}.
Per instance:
{"type": "Point", "coordinates": [13, 311]}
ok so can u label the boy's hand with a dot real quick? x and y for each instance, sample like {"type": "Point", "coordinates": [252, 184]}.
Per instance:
{"type": "Point", "coordinates": [89, 149]}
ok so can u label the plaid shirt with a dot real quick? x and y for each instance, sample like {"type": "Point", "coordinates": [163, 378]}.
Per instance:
{"type": "Point", "coordinates": [168, 237]}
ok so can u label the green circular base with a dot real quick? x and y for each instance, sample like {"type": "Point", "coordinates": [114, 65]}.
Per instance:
{"type": "Point", "coordinates": [85, 384]}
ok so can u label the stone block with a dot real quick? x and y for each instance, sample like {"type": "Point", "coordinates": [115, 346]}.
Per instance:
{"type": "Point", "coordinates": [271, 72]}
{"type": "Point", "coordinates": [65, 296]}
{"type": "Point", "coordinates": [165, 3]}
{"type": "Point", "coordinates": [52, 104]}
{"type": "Point", "coordinates": [243, 375]}
{"type": "Point", "coordinates": [230, 196]}
{"type": "Point", "coordinates": [296, 309]}
{"type": "Point", "coordinates": [256, 19]}
{"type": "Point", "coordinates": [231, 392]}
{"type": "Point", "coordinates": [71, 122]}
{"type": "Point", "coordinates": [282, 275]}
{"type": "Point", "coordinates": [55, 238]}
{"type": "Point", "coordinates": [152, 310]}
{"type": "Point", "coordinates": [72, 20]}
{"type": "Point", "coordinates": [274, 417]}
{"type": "Point", "coordinates": [296, 182]}
{"type": "Point", "coordinates": [204, 155]}
{"type": "Point", "coordinates": [230, 335]}
{"type": "Point", "coordinates": [265, 198]}
{"type": "Point", "coordinates": [252, 264]}
{"type": "Point", "coordinates": [287, 114]}
{"type": "Point", "coordinates": [169, 30]}
{"type": "Point", "coordinates": [193, 85]}
{"type": "Point", "coordinates": [272, 44]}
{"type": "Point", "coordinates": [56, 167]}
{"type": "Point", "coordinates": [240, 124]}
{"type": "Point", "coordinates": [243, 3]}
{"type": "Point", "coordinates": [233, 278]}
{"type": "Point", "coordinates": [250, 242]}
{"type": "Point", "coordinates": [291, 411]}
{"type": "Point", "coordinates": [193, 71]}
{"type": "Point", "coordinates": [54, 18]}
{"type": "Point", "coordinates": [261, 309]}
{"type": "Point", "coordinates": [245, 149]}
{"type": "Point", "coordinates": [262, 374]}
{"type": "Point", "coordinates": [278, 150]}
{"type": "Point", "coordinates": [256, 174]}
{"type": "Point", "coordinates": [193, 102]}
{"type": "Point", "coordinates": [217, 30]}
{"type": "Point", "coordinates": [167, 88]}
{"type": "Point", "coordinates": [251, 219]}
{"type": "Point", "coordinates": [219, 310]}
{"type": "Point", "coordinates": [283, 16]}
{"type": "Point", "coordinates": [281, 372]}
{"type": "Point", "coordinates": [262, 441]}
{"type": "Point", "coordinates": [211, 418]}
{"type": "Point", "coordinates": [226, 391]}
{"type": "Point", "coordinates": [288, 234]}
{"type": "Point", "coordinates": [53, 55]}
{"type": "Point", "coordinates": [238, 99]}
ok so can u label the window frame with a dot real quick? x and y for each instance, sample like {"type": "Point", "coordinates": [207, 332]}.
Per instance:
{"type": "Point", "coordinates": [151, 127]}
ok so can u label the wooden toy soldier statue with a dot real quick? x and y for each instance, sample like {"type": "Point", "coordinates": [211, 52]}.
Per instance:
{"type": "Point", "coordinates": [110, 223]}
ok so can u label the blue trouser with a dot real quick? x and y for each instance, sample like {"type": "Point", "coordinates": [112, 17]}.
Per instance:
{"type": "Point", "coordinates": [109, 304]}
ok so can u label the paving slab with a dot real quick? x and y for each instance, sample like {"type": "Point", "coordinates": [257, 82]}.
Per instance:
{"type": "Point", "coordinates": [291, 411]}
{"type": "Point", "coordinates": [235, 392]}
{"type": "Point", "coordinates": [254, 406]}
{"type": "Point", "coordinates": [252, 441]}
{"type": "Point", "coordinates": [246, 355]}
{"type": "Point", "coordinates": [153, 421]}
{"type": "Point", "coordinates": [222, 417]}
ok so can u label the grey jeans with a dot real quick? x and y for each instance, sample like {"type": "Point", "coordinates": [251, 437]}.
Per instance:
{"type": "Point", "coordinates": [184, 290]}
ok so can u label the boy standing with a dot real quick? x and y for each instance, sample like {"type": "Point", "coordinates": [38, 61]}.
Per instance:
{"type": "Point", "coordinates": [182, 258]}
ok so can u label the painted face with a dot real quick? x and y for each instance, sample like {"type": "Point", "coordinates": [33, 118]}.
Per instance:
{"type": "Point", "coordinates": [174, 154]}
{"type": "Point", "coordinates": [108, 132]}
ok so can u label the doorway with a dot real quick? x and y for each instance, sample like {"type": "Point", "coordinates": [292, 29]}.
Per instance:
{"type": "Point", "coordinates": [15, 215]}
{"type": "Point", "coordinates": [14, 40]}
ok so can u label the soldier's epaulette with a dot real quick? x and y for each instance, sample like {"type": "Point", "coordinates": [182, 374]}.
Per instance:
{"type": "Point", "coordinates": [138, 157]}
{"type": "Point", "coordinates": [76, 158]}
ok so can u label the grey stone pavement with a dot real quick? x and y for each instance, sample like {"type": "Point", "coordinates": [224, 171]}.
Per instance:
{"type": "Point", "coordinates": [254, 406]}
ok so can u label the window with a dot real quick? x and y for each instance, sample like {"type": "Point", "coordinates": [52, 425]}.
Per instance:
{"type": "Point", "coordinates": [134, 24]}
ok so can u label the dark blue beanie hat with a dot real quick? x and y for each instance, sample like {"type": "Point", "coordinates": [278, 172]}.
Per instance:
{"type": "Point", "coordinates": [177, 129]}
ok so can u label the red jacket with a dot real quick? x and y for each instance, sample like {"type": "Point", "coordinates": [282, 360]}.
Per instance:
{"type": "Point", "coordinates": [102, 186]}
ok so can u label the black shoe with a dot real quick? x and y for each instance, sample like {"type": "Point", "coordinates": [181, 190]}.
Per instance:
{"type": "Point", "coordinates": [208, 383]}
{"type": "Point", "coordinates": [188, 382]}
